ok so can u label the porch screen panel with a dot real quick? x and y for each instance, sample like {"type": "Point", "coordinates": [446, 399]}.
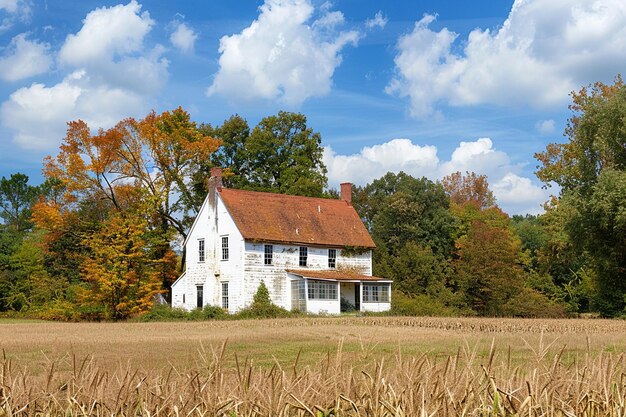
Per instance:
{"type": "Point", "coordinates": [322, 290]}
{"type": "Point", "coordinates": [376, 293]}
{"type": "Point", "coordinates": [298, 296]}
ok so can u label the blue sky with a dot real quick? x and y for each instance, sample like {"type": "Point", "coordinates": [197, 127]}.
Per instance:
{"type": "Point", "coordinates": [428, 87]}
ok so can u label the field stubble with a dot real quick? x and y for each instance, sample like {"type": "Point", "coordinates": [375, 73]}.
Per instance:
{"type": "Point", "coordinates": [372, 366]}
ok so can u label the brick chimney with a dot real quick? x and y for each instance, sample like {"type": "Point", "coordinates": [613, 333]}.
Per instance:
{"type": "Point", "coordinates": [346, 192]}
{"type": "Point", "coordinates": [216, 177]}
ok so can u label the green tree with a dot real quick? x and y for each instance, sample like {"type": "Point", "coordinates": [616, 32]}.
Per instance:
{"type": "Point", "coordinates": [417, 270]}
{"type": "Point", "coordinates": [231, 155]}
{"type": "Point", "coordinates": [589, 168]}
{"type": "Point", "coordinates": [16, 199]}
{"type": "Point", "coordinates": [284, 155]}
{"type": "Point", "coordinates": [398, 209]}
{"type": "Point", "coordinates": [488, 271]}
{"type": "Point", "coordinates": [281, 154]}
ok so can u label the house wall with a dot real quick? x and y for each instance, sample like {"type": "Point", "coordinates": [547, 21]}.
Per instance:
{"type": "Point", "coordinates": [375, 307]}
{"type": "Point", "coordinates": [288, 257]}
{"type": "Point", "coordinates": [347, 292]}
{"type": "Point", "coordinates": [213, 271]}
{"type": "Point", "coordinates": [323, 306]}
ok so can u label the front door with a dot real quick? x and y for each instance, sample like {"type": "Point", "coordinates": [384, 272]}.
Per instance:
{"type": "Point", "coordinates": [200, 296]}
{"type": "Point", "coordinates": [357, 296]}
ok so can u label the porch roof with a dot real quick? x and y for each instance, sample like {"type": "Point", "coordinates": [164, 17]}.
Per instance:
{"type": "Point", "coordinates": [335, 274]}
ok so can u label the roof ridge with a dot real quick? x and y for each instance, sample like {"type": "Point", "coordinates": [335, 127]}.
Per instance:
{"type": "Point", "coordinates": [339, 200]}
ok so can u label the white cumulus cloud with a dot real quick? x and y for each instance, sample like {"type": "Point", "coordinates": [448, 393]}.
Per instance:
{"type": "Point", "coordinates": [285, 54]}
{"type": "Point", "coordinates": [515, 194]}
{"type": "Point", "coordinates": [12, 11]}
{"type": "Point", "coordinates": [38, 114]}
{"type": "Point", "coordinates": [183, 38]}
{"type": "Point", "coordinates": [373, 162]}
{"type": "Point", "coordinates": [24, 58]}
{"type": "Point", "coordinates": [545, 127]}
{"type": "Point", "coordinates": [519, 195]}
{"type": "Point", "coordinates": [544, 50]}
{"type": "Point", "coordinates": [478, 156]}
{"type": "Point", "coordinates": [110, 74]}
{"type": "Point", "coordinates": [107, 33]}
{"type": "Point", "coordinates": [377, 21]}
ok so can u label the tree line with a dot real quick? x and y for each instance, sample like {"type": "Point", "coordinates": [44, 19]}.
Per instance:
{"type": "Point", "coordinates": [98, 239]}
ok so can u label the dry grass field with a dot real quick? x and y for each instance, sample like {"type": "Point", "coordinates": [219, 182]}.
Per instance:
{"type": "Point", "coordinates": [370, 366]}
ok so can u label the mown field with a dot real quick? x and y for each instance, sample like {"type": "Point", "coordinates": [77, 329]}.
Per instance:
{"type": "Point", "coordinates": [369, 366]}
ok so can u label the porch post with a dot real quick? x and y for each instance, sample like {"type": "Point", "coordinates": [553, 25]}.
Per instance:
{"type": "Point", "coordinates": [360, 295]}
{"type": "Point", "coordinates": [306, 294]}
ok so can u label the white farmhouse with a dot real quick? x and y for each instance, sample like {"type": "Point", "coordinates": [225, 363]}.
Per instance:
{"type": "Point", "coordinates": [310, 252]}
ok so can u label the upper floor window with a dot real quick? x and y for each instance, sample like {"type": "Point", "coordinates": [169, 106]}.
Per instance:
{"type": "Point", "coordinates": [304, 254]}
{"type": "Point", "coordinates": [200, 250]}
{"type": "Point", "coordinates": [224, 248]}
{"type": "Point", "coordinates": [269, 254]}
{"type": "Point", "coordinates": [332, 258]}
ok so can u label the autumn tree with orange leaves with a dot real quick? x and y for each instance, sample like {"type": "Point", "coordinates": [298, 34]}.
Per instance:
{"type": "Point", "coordinates": [470, 188]}
{"type": "Point", "coordinates": [136, 173]}
{"type": "Point", "coordinates": [121, 279]}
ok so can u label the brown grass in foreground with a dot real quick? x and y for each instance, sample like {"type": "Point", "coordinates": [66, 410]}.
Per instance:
{"type": "Point", "coordinates": [462, 384]}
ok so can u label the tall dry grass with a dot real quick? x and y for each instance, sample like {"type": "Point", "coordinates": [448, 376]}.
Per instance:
{"type": "Point", "coordinates": [467, 383]}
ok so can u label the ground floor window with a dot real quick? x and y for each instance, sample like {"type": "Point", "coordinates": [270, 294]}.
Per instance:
{"type": "Point", "coordinates": [298, 295]}
{"type": "Point", "coordinates": [322, 290]}
{"type": "Point", "coordinates": [225, 295]}
{"type": "Point", "coordinates": [376, 293]}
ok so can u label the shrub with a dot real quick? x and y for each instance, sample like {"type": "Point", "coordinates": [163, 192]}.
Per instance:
{"type": "Point", "coordinates": [209, 312]}
{"type": "Point", "coordinates": [262, 296]}
{"type": "Point", "coordinates": [56, 310]}
{"type": "Point", "coordinates": [263, 311]}
{"type": "Point", "coordinates": [164, 312]}
{"type": "Point", "coordinates": [346, 306]}
{"type": "Point", "coordinates": [419, 305]}
{"type": "Point", "coordinates": [262, 306]}
{"type": "Point", "coordinates": [533, 304]}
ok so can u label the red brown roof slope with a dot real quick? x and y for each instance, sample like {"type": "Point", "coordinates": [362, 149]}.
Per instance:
{"type": "Point", "coordinates": [335, 274]}
{"type": "Point", "coordinates": [270, 217]}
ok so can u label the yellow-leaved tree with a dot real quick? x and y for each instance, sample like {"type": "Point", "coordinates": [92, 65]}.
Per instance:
{"type": "Point", "coordinates": [120, 278]}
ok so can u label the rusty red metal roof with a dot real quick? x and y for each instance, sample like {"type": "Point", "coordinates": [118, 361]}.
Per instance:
{"type": "Point", "coordinates": [335, 274]}
{"type": "Point", "coordinates": [281, 218]}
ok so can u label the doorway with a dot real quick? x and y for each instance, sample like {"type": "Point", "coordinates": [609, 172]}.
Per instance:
{"type": "Point", "coordinates": [199, 296]}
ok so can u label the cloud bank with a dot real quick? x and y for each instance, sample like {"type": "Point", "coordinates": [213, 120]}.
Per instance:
{"type": "Point", "coordinates": [289, 53]}
{"type": "Point", "coordinates": [543, 51]}
{"type": "Point", "coordinates": [515, 194]}
{"type": "Point", "coordinates": [110, 74]}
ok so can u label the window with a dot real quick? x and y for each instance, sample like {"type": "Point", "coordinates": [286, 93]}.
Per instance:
{"type": "Point", "coordinates": [225, 295]}
{"type": "Point", "coordinates": [269, 254]}
{"type": "Point", "coordinates": [332, 258]}
{"type": "Point", "coordinates": [224, 248]}
{"type": "Point", "coordinates": [200, 250]}
{"type": "Point", "coordinates": [304, 254]}
{"type": "Point", "coordinates": [375, 293]}
{"type": "Point", "coordinates": [298, 296]}
{"type": "Point", "coordinates": [199, 296]}
{"type": "Point", "coordinates": [322, 290]}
